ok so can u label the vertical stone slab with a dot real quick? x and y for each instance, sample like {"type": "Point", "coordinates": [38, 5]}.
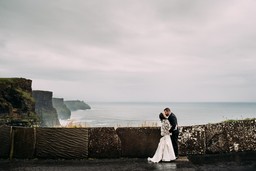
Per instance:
{"type": "Point", "coordinates": [104, 143]}
{"type": "Point", "coordinates": [216, 138]}
{"type": "Point", "coordinates": [5, 141]}
{"type": "Point", "coordinates": [184, 136]}
{"type": "Point", "coordinates": [192, 140]}
{"type": "Point", "coordinates": [241, 135]}
{"type": "Point", "coordinates": [23, 143]}
{"type": "Point", "coordinates": [63, 143]}
{"type": "Point", "coordinates": [138, 141]}
{"type": "Point", "coordinates": [231, 136]}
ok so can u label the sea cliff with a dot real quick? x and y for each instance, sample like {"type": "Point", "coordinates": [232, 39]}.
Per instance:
{"type": "Point", "coordinates": [17, 106]}
{"type": "Point", "coordinates": [44, 108]}
{"type": "Point", "coordinates": [62, 110]}
{"type": "Point", "coordinates": [74, 105]}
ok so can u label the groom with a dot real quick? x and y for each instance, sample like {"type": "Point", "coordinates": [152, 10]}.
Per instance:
{"type": "Point", "coordinates": [174, 130]}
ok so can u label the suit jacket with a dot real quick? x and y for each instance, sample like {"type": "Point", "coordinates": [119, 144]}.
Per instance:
{"type": "Point", "coordinates": [173, 121]}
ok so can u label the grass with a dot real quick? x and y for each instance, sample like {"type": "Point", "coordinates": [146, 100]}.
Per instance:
{"type": "Point", "coordinates": [9, 80]}
{"type": "Point", "coordinates": [237, 120]}
{"type": "Point", "coordinates": [148, 124]}
{"type": "Point", "coordinates": [71, 124]}
{"type": "Point", "coordinates": [25, 95]}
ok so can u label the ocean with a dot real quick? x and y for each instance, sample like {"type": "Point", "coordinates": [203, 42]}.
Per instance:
{"type": "Point", "coordinates": [134, 114]}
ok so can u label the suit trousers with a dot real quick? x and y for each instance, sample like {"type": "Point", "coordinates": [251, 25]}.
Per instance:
{"type": "Point", "coordinates": [174, 138]}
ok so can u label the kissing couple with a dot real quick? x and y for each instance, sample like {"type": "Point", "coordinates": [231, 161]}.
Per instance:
{"type": "Point", "coordinates": [167, 149]}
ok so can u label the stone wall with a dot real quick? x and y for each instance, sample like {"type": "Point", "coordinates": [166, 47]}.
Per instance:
{"type": "Point", "coordinates": [44, 108]}
{"type": "Point", "coordinates": [5, 141]}
{"type": "Point", "coordinates": [67, 143]}
{"type": "Point", "coordinates": [104, 143]}
{"type": "Point", "coordinates": [138, 142]}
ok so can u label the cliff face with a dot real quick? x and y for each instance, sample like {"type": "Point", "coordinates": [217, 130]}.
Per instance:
{"type": "Point", "coordinates": [16, 101]}
{"type": "Point", "coordinates": [44, 108]}
{"type": "Point", "coordinates": [74, 105]}
{"type": "Point", "coordinates": [62, 110]}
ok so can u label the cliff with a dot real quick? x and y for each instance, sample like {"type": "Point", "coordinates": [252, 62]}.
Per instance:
{"type": "Point", "coordinates": [44, 108]}
{"type": "Point", "coordinates": [74, 105]}
{"type": "Point", "coordinates": [17, 106]}
{"type": "Point", "coordinates": [62, 110]}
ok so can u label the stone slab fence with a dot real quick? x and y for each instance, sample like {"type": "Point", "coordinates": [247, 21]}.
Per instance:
{"type": "Point", "coordinates": [138, 142]}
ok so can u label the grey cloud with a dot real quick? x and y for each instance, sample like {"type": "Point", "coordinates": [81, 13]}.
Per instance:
{"type": "Point", "coordinates": [132, 50]}
{"type": "Point", "coordinates": [83, 21]}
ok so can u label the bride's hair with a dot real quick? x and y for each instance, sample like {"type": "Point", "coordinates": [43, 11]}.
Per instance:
{"type": "Point", "coordinates": [161, 117]}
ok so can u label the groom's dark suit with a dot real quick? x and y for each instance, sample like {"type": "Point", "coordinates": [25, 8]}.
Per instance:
{"type": "Point", "coordinates": [175, 132]}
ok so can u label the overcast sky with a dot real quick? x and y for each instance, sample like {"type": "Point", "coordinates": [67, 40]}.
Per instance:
{"type": "Point", "coordinates": [132, 50]}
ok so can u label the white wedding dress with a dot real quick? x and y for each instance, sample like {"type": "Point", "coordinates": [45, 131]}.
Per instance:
{"type": "Point", "coordinates": [164, 150]}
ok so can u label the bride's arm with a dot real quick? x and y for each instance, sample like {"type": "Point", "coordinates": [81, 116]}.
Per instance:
{"type": "Point", "coordinates": [165, 128]}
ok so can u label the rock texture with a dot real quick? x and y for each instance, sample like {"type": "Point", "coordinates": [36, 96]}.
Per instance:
{"type": "Point", "coordinates": [216, 138]}
{"type": "Point", "coordinates": [44, 109]}
{"type": "Point", "coordinates": [104, 143]}
{"type": "Point", "coordinates": [23, 143]}
{"type": "Point", "coordinates": [74, 105]}
{"type": "Point", "coordinates": [67, 143]}
{"type": "Point", "coordinates": [139, 142]}
{"type": "Point", "coordinates": [192, 140]}
{"type": "Point", "coordinates": [231, 136]}
{"type": "Point", "coordinates": [16, 102]}
{"type": "Point", "coordinates": [5, 141]}
{"type": "Point", "coordinates": [62, 110]}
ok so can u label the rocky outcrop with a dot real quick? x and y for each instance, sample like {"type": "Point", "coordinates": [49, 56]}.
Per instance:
{"type": "Point", "coordinates": [17, 106]}
{"type": "Point", "coordinates": [62, 110]}
{"type": "Point", "coordinates": [44, 108]}
{"type": "Point", "coordinates": [74, 105]}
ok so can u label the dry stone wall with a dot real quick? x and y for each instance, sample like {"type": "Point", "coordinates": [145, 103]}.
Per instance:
{"type": "Point", "coordinates": [138, 142]}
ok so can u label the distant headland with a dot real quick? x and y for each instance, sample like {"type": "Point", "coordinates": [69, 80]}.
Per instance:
{"type": "Point", "coordinates": [22, 106]}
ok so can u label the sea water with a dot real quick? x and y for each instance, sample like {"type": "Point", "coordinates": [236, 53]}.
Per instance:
{"type": "Point", "coordinates": [126, 114]}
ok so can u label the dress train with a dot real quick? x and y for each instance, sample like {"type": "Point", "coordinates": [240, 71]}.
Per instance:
{"type": "Point", "coordinates": [164, 150]}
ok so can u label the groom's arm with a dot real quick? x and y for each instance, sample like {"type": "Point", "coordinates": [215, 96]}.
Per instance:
{"type": "Point", "coordinates": [173, 121]}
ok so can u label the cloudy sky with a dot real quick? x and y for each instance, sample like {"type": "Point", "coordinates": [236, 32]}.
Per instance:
{"type": "Point", "coordinates": [132, 50]}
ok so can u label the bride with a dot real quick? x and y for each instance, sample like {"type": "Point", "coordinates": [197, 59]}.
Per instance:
{"type": "Point", "coordinates": [164, 150]}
